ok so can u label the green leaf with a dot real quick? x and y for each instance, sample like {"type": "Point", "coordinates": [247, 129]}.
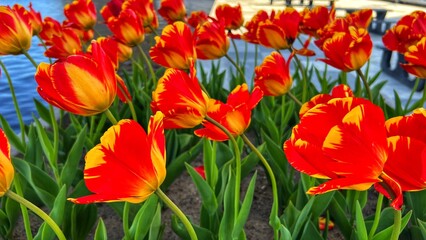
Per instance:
{"type": "Point", "coordinates": [175, 168]}
{"type": "Point", "coordinates": [387, 233]}
{"type": "Point", "coordinates": [180, 230]}
{"type": "Point", "coordinates": [141, 223]}
{"type": "Point", "coordinates": [82, 220]}
{"type": "Point", "coordinates": [44, 186]}
{"type": "Point", "coordinates": [321, 203]}
{"type": "Point", "coordinates": [45, 142]}
{"type": "Point", "coordinates": [245, 208]}
{"type": "Point", "coordinates": [208, 198]}
{"type": "Point", "coordinates": [227, 221]}
{"type": "Point", "coordinates": [361, 230]}
{"type": "Point", "coordinates": [43, 112]}
{"type": "Point", "coordinates": [14, 140]}
{"type": "Point", "coordinates": [310, 231]}
{"type": "Point", "coordinates": [155, 227]}
{"type": "Point", "coordinates": [285, 233]}
{"type": "Point", "coordinates": [209, 160]}
{"type": "Point", "coordinates": [303, 217]}
{"type": "Point", "coordinates": [339, 216]}
{"type": "Point", "coordinates": [250, 161]}
{"type": "Point", "coordinates": [69, 170]}
{"type": "Point", "coordinates": [101, 232]}
{"type": "Point", "coordinates": [57, 215]}
{"type": "Point", "coordinates": [422, 226]}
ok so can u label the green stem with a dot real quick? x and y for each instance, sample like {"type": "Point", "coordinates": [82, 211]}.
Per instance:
{"type": "Point", "coordinates": [237, 67]}
{"type": "Point", "coordinates": [44, 45]}
{"type": "Point", "coordinates": [15, 103]}
{"type": "Point", "coordinates": [151, 70]}
{"type": "Point", "coordinates": [367, 87]}
{"type": "Point", "coordinates": [282, 127]}
{"type": "Point", "coordinates": [178, 213]}
{"type": "Point", "coordinates": [294, 98]}
{"type": "Point", "coordinates": [137, 64]}
{"type": "Point", "coordinates": [153, 30]}
{"type": "Point", "coordinates": [25, 217]}
{"type": "Point", "coordinates": [237, 163]}
{"type": "Point", "coordinates": [131, 106]}
{"type": "Point", "coordinates": [55, 144]}
{"type": "Point", "coordinates": [52, 224]}
{"type": "Point", "coordinates": [30, 58]}
{"type": "Point", "coordinates": [396, 225]}
{"type": "Point", "coordinates": [304, 78]}
{"type": "Point", "coordinates": [110, 117]}
{"type": "Point", "coordinates": [376, 217]}
{"type": "Point", "coordinates": [126, 210]}
{"type": "Point", "coordinates": [416, 84]}
{"type": "Point", "coordinates": [274, 220]}
{"type": "Point", "coordinates": [237, 55]}
{"type": "Point", "coordinates": [422, 102]}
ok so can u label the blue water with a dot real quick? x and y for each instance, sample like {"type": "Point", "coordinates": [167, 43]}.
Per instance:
{"type": "Point", "coordinates": [22, 71]}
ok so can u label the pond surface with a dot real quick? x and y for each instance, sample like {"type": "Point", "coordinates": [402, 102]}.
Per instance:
{"type": "Point", "coordinates": [22, 71]}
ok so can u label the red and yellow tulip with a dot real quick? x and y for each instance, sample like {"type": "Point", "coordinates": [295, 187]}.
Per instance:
{"type": "Point", "coordinates": [145, 10]}
{"type": "Point", "coordinates": [84, 85]}
{"type": "Point", "coordinates": [172, 10]}
{"type": "Point", "coordinates": [354, 49]}
{"type": "Point", "coordinates": [197, 17]}
{"type": "Point", "coordinates": [281, 31]}
{"type": "Point", "coordinates": [127, 28]}
{"type": "Point", "coordinates": [211, 40]}
{"type": "Point", "coordinates": [175, 48]}
{"type": "Point", "coordinates": [68, 43]}
{"type": "Point", "coordinates": [122, 169]}
{"type": "Point", "coordinates": [315, 19]}
{"type": "Point", "coordinates": [351, 137]}
{"type": "Point", "coordinates": [51, 28]}
{"type": "Point", "coordinates": [252, 26]}
{"type": "Point", "coordinates": [111, 9]}
{"type": "Point", "coordinates": [234, 115]}
{"type": "Point", "coordinates": [273, 75]}
{"type": "Point", "coordinates": [407, 147]}
{"type": "Point", "coordinates": [82, 13]}
{"type": "Point", "coordinates": [35, 20]}
{"type": "Point", "coordinates": [16, 31]}
{"type": "Point", "coordinates": [7, 171]}
{"type": "Point", "coordinates": [179, 96]}
{"type": "Point", "coordinates": [415, 56]}
{"type": "Point", "coordinates": [231, 15]}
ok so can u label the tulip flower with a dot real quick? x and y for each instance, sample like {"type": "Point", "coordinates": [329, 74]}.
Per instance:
{"type": "Point", "coordinates": [211, 40]}
{"type": "Point", "coordinates": [200, 170]}
{"type": "Point", "coordinates": [68, 43]}
{"type": "Point", "coordinates": [361, 18]}
{"type": "Point", "coordinates": [281, 31]}
{"type": "Point", "coordinates": [354, 49]}
{"type": "Point", "coordinates": [234, 115]}
{"type": "Point", "coordinates": [7, 171]}
{"type": "Point", "coordinates": [179, 96]}
{"type": "Point", "coordinates": [339, 91]}
{"type": "Point", "coordinates": [175, 48]}
{"type": "Point", "coordinates": [406, 32]}
{"type": "Point", "coordinates": [172, 10]}
{"type": "Point", "coordinates": [50, 28]}
{"type": "Point", "coordinates": [197, 18]}
{"type": "Point", "coordinates": [315, 19]}
{"type": "Point", "coordinates": [82, 13]}
{"type": "Point", "coordinates": [273, 75]}
{"type": "Point", "coordinates": [337, 140]}
{"type": "Point", "coordinates": [111, 9]}
{"type": "Point", "coordinates": [127, 28]}
{"type": "Point", "coordinates": [16, 31]}
{"type": "Point", "coordinates": [122, 169]}
{"type": "Point", "coordinates": [145, 10]}
{"type": "Point", "coordinates": [33, 16]}
{"type": "Point", "coordinates": [83, 85]}
{"type": "Point", "coordinates": [407, 147]}
{"type": "Point", "coordinates": [415, 57]}
{"type": "Point", "coordinates": [252, 26]}
{"type": "Point", "coordinates": [232, 16]}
